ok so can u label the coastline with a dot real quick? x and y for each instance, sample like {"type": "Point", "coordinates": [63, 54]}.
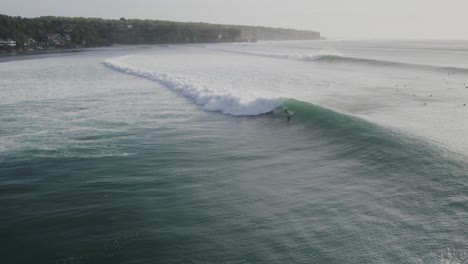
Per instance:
{"type": "Point", "coordinates": [20, 35]}
{"type": "Point", "coordinates": [25, 55]}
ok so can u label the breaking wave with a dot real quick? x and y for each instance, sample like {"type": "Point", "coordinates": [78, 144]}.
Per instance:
{"type": "Point", "coordinates": [210, 98]}
{"type": "Point", "coordinates": [353, 133]}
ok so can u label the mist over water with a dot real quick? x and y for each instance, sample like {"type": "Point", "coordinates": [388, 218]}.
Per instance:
{"type": "Point", "coordinates": [185, 154]}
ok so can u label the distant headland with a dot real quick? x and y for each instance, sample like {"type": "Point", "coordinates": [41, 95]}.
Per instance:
{"type": "Point", "coordinates": [22, 34]}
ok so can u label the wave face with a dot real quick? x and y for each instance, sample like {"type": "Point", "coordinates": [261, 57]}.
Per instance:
{"type": "Point", "coordinates": [210, 99]}
{"type": "Point", "coordinates": [354, 137]}
{"type": "Point", "coordinates": [343, 127]}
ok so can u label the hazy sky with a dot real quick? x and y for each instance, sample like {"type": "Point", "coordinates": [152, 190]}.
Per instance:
{"type": "Point", "coordinates": [350, 19]}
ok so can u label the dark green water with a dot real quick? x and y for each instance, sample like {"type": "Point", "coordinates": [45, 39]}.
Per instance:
{"type": "Point", "coordinates": [142, 175]}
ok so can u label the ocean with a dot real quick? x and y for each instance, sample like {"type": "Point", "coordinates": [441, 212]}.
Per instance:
{"type": "Point", "coordinates": [268, 152]}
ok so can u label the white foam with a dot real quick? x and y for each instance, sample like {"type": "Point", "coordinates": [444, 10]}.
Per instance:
{"type": "Point", "coordinates": [210, 98]}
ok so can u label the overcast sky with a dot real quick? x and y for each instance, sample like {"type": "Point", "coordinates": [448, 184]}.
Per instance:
{"type": "Point", "coordinates": [348, 19]}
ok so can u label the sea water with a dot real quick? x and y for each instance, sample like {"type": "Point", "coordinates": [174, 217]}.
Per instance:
{"type": "Point", "coordinates": [271, 152]}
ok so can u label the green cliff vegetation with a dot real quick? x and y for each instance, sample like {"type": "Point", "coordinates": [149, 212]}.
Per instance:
{"type": "Point", "coordinates": [46, 32]}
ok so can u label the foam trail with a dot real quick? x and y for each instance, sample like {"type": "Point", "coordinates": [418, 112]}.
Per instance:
{"type": "Point", "coordinates": [209, 98]}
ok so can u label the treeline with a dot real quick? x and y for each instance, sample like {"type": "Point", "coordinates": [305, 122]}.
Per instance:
{"type": "Point", "coordinates": [265, 33]}
{"type": "Point", "coordinates": [73, 32]}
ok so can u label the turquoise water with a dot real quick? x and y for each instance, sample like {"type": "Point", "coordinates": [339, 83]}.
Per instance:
{"type": "Point", "coordinates": [97, 166]}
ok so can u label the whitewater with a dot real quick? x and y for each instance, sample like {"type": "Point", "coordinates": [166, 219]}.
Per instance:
{"type": "Point", "coordinates": [421, 88]}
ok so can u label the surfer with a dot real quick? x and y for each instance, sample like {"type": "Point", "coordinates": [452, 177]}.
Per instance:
{"type": "Point", "coordinates": [289, 114]}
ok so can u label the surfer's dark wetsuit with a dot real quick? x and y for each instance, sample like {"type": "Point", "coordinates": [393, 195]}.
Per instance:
{"type": "Point", "coordinates": [287, 112]}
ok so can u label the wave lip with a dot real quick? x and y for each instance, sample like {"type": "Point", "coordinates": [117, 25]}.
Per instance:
{"type": "Point", "coordinates": [210, 99]}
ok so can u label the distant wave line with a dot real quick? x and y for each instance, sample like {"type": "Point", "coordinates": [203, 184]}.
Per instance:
{"type": "Point", "coordinates": [332, 58]}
